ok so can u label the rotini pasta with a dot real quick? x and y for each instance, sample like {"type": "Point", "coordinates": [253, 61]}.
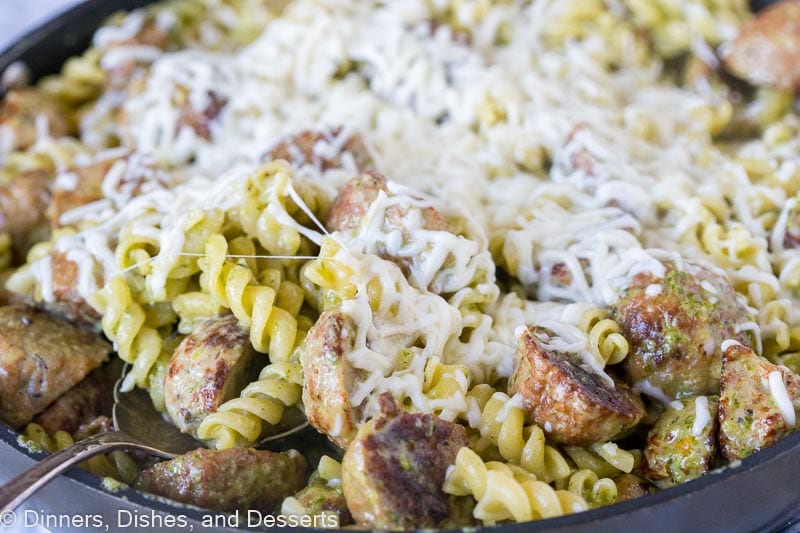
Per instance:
{"type": "Point", "coordinates": [506, 493]}
{"type": "Point", "coordinates": [117, 465]}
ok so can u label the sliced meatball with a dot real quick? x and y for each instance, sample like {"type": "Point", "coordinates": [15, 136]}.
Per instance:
{"type": "Point", "coordinates": [23, 204]}
{"type": "Point", "coordinates": [41, 358]}
{"type": "Point", "coordinates": [759, 402]}
{"type": "Point", "coordinates": [682, 444]}
{"type": "Point", "coordinates": [630, 487]}
{"type": "Point", "coordinates": [329, 377]}
{"type": "Point", "coordinates": [227, 480]}
{"type": "Point", "coordinates": [767, 50]}
{"type": "Point", "coordinates": [573, 405]}
{"type": "Point", "coordinates": [322, 149]}
{"type": "Point", "coordinates": [101, 424]}
{"type": "Point", "coordinates": [393, 472]}
{"type": "Point", "coordinates": [210, 366]}
{"type": "Point", "coordinates": [23, 112]}
{"type": "Point", "coordinates": [67, 300]}
{"type": "Point", "coordinates": [675, 326]}
{"type": "Point", "coordinates": [91, 398]}
{"type": "Point", "coordinates": [87, 187]}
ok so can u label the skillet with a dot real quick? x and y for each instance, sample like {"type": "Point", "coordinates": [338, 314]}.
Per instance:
{"type": "Point", "coordinates": [762, 493]}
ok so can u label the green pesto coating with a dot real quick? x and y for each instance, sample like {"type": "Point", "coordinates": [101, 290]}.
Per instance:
{"type": "Point", "coordinates": [226, 480]}
{"type": "Point", "coordinates": [675, 333]}
{"type": "Point", "coordinates": [674, 454]}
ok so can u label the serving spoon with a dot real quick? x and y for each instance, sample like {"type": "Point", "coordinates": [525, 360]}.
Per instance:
{"type": "Point", "coordinates": [137, 426]}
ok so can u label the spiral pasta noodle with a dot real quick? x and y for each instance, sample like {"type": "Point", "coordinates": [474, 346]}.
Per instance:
{"type": "Point", "coordinates": [504, 492]}
{"type": "Point", "coordinates": [124, 323]}
{"type": "Point", "coordinates": [117, 464]}
{"type": "Point", "coordinates": [502, 423]}
{"type": "Point", "coordinates": [605, 340]}
{"type": "Point", "coordinates": [239, 422]}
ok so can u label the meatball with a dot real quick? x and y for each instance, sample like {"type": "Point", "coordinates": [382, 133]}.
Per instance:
{"type": "Point", "coordinates": [23, 112]}
{"type": "Point", "coordinates": [682, 444]}
{"type": "Point", "coordinates": [630, 487]}
{"type": "Point", "coordinates": [210, 366]}
{"type": "Point", "coordinates": [758, 405]}
{"type": "Point", "coordinates": [675, 326]}
{"type": "Point", "coordinates": [330, 377]}
{"type": "Point", "coordinates": [353, 201]}
{"type": "Point", "coordinates": [88, 187]}
{"type": "Point", "coordinates": [227, 480]}
{"type": "Point", "coordinates": [23, 204]}
{"type": "Point", "coordinates": [91, 398]}
{"type": "Point", "coordinates": [767, 50]}
{"type": "Point", "coordinates": [322, 149]}
{"type": "Point", "coordinates": [393, 472]}
{"type": "Point", "coordinates": [41, 358]}
{"type": "Point", "coordinates": [201, 120]}
{"type": "Point", "coordinates": [319, 497]}
{"type": "Point", "coordinates": [573, 405]}
{"type": "Point", "coordinates": [67, 300]}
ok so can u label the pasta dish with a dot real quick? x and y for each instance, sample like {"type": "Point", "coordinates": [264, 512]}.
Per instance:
{"type": "Point", "coordinates": [515, 259]}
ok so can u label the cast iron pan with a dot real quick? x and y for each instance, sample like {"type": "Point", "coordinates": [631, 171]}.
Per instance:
{"type": "Point", "coordinates": [762, 493]}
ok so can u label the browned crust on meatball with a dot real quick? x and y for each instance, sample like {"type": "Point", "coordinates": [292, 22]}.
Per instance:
{"type": "Point", "coordinates": [749, 418]}
{"type": "Point", "coordinates": [41, 358]}
{"type": "Point", "coordinates": [91, 398]}
{"type": "Point", "coordinates": [227, 480]}
{"type": "Point", "coordinates": [299, 150]}
{"type": "Point", "coordinates": [89, 188]}
{"type": "Point", "coordinates": [19, 111]}
{"type": "Point", "coordinates": [575, 406]}
{"type": "Point", "coordinates": [210, 366]}
{"type": "Point", "coordinates": [675, 335]}
{"type": "Point", "coordinates": [329, 377]}
{"type": "Point", "coordinates": [67, 300]}
{"type": "Point", "coordinates": [767, 50]}
{"type": "Point", "coordinates": [393, 472]}
{"type": "Point", "coordinates": [23, 204]}
{"type": "Point", "coordinates": [200, 120]}
{"type": "Point", "coordinates": [630, 487]}
{"type": "Point", "coordinates": [354, 199]}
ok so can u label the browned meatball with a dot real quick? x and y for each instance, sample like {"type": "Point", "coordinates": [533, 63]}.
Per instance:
{"type": "Point", "coordinates": [574, 406]}
{"type": "Point", "coordinates": [91, 398]}
{"type": "Point", "coordinates": [392, 473]}
{"type": "Point", "coordinates": [68, 302]}
{"type": "Point", "coordinates": [88, 188]}
{"type": "Point", "coordinates": [767, 49]}
{"type": "Point", "coordinates": [675, 326]}
{"type": "Point", "coordinates": [304, 149]}
{"type": "Point", "coordinates": [41, 358]}
{"type": "Point", "coordinates": [200, 120]}
{"type": "Point", "coordinates": [23, 204]}
{"type": "Point", "coordinates": [329, 377]}
{"type": "Point", "coordinates": [353, 201]}
{"type": "Point", "coordinates": [21, 109]}
{"type": "Point", "coordinates": [226, 480]}
{"type": "Point", "coordinates": [210, 366]}
{"type": "Point", "coordinates": [755, 401]}
{"type": "Point", "coordinates": [682, 444]}
{"type": "Point", "coordinates": [630, 487]}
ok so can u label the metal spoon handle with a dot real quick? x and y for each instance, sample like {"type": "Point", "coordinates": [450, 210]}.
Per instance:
{"type": "Point", "coordinates": [23, 486]}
